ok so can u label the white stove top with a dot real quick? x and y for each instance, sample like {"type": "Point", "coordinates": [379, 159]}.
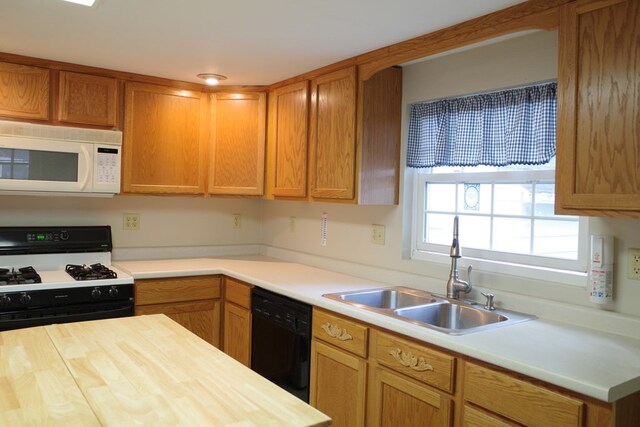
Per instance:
{"type": "Point", "coordinates": [51, 267]}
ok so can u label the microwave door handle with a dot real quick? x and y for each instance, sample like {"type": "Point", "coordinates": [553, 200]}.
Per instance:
{"type": "Point", "coordinates": [85, 179]}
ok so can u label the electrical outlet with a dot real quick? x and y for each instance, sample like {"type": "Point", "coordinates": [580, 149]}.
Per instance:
{"type": "Point", "coordinates": [633, 263]}
{"type": "Point", "coordinates": [292, 224]}
{"type": "Point", "coordinates": [236, 220]}
{"type": "Point", "coordinates": [131, 221]}
{"type": "Point", "coordinates": [377, 234]}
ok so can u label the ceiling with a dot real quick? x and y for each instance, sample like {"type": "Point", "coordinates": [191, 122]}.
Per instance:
{"type": "Point", "coordinates": [251, 41]}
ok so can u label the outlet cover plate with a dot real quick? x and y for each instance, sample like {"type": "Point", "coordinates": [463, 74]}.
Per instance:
{"type": "Point", "coordinates": [377, 234]}
{"type": "Point", "coordinates": [633, 263]}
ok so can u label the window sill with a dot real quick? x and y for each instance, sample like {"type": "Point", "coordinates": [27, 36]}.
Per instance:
{"type": "Point", "coordinates": [565, 277]}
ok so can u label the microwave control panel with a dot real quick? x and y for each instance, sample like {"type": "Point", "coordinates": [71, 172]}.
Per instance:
{"type": "Point", "coordinates": [107, 169]}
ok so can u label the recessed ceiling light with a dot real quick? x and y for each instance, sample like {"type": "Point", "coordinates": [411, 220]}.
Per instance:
{"type": "Point", "coordinates": [212, 79]}
{"type": "Point", "coordinates": [83, 2]}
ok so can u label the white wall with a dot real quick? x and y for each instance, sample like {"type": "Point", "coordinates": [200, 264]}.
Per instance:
{"type": "Point", "coordinates": [511, 62]}
{"type": "Point", "coordinates": [164, 221]}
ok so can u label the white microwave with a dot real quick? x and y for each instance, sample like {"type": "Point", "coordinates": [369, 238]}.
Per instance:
{"type": "Point", "coordinates": [41, 159]}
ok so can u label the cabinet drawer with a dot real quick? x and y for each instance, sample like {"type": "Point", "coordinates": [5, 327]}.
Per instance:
{"type": "Point", "coordinates": [473, 417]}
{"type": "Point", "coordinates": [414, 360]}
{"type": "Point", "coordinates": [176, 289]}
{"type": "Point", "coordinates": [521, 401]}
{"type": "Point", "coordinates": [343, 333]}
{"type": "Point", "coordinates": [238, 292]}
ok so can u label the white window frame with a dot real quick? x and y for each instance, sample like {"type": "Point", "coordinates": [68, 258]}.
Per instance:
{"type": "Point", "coordinates": [571, 272]}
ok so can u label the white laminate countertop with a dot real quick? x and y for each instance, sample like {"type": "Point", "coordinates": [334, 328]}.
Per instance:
{"type": "Point", "coordinates": [603, 366]}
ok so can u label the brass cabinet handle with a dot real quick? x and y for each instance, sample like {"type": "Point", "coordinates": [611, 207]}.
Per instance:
{"type": "Point", "coordinates": [336, 331]}
{"type": "Point", "coordinates": [407, 359]}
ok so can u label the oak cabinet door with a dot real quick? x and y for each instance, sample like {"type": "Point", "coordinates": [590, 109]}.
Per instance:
{"type": "Point", "coordinates": [332, 157]}
{"type": "Point", "coordinates": [395, 400]}
{"type": "Point", "coordinates": [237, 320]}
{"type": "Point", "coordinates": [290, 120]}
{"type": "Point", "coordinates": [338, 384]}
{"type": "Point", "coordinates": [598, 158]}
{"type": "Point", "coordinates": [237, 333]}
{"type": "Point", "coordinates": [164, 140]}
{"type": "Point", "coordinates": [24, 91]}
{"type": "Point", "coordinates": [87, 99]}
{"type": "Point", "coordinates": [238, 134]}
{"type": "Point", "coordinates": [194, 302]}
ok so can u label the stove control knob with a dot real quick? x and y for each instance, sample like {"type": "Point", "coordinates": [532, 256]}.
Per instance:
{"type": "Point", "coordinates": [96, 293]}
{"type": "Point", "coordinates": [5, 300]}
{"type": "Point", "coordinates": [25, 298]}
{"type": "Point", "coordinates": [113, 292]}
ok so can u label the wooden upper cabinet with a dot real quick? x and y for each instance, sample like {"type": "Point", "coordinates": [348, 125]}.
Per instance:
{"type": "Point", "coordinates": [237, 152]}
{"type": "Point", "coordinates": [332, 142]}
{"type": "Point", "coordinates": [289, 109]}
{"type": "Point", "coordinates": [87, 99]}
{"type": "Point", "coordinates": [24, 91]}
{"type": "Point", "coordinates": [379, 124]}
{"type": "Point", "coordinates": [598, 159]}
{"type": "Point", "coordinates": [165, 137]}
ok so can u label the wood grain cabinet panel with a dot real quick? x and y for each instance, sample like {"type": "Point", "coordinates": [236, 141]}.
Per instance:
{"type": "Point", "coordinates": [414, 360]}
{"type": "Point", "coordinates": [194, 302]}
{"type": "Point", "coordinates": [520, 400]}
{"type": "Point", "coordinates": [237, 320]}
{"type": "Point", "coordinates": [398, 401]}
{"type": "Point", "coordinates": [164, 140]}
{"type": "Point", "coordinates": [289, 109]}
{"type": "Point", "coordinates": [598, 159]}
{"type": "Point", "coordinates": [87, 99]}
{"type": "Point", "coordinates": [238, 135]}
{"type": "Point", "coordinates": [24, 91]}
{"type": "Point", "coordinates": [338, 384]}
{"type": "Point", "coordinates": [340, 332]}
{"type": "Point", "coordinates": [333, 135]}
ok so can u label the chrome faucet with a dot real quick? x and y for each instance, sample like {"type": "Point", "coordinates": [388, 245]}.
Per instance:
{"type": "Point", "coordinates": [455, 285]}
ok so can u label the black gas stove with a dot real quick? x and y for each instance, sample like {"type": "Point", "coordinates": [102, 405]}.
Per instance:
{"type": "Point", "coordinates": [69, 276]}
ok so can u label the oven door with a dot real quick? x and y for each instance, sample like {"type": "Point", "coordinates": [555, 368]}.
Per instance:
{"type": "Point", "coordinates": [30, 164]}
{"type": "Point", "coordinates": [64, 314]}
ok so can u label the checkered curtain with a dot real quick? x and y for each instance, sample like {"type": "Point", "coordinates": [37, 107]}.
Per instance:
{"type": "Point", "coordinates": [515, 126]}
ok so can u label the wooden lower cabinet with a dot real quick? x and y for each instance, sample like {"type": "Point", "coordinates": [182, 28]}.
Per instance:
{"type": "Point", "coordinates": [338, 384]}
{"type": "Point", "coordinates": [474, 417]}
{"type": "Point", "coordinates": [237, 320]}
{"type": "Point", "coordinates": [194, 302]}
{"type": "Point", "coordinates": [395, 400]}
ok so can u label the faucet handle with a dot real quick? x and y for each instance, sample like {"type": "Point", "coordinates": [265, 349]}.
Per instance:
{"type": "Point", "coordinates": [489, 304]}
{"type": "Point", "coordinates": [469, 275]}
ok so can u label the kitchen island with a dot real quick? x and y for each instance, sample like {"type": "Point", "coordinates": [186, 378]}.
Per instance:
{"type": "Point", "coordinates": [144, 370]}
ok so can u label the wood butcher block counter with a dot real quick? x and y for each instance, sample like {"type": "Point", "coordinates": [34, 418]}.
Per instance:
{"type": "Point", "coordinates": [144, 370]}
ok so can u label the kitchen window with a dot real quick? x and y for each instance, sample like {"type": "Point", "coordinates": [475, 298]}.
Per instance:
{"type": "Point", "coordinates": [490, 159]}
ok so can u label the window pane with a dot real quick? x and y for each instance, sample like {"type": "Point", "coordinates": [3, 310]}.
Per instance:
{"type": "Point", "coordinates": [441, 197]}
{"type": "Point", "coordinates": [513, 199]}
{"type": "Point", "coordinates": [474, 198]}
{"type": "Point", "coordinates": [439, 229]}
{"type": "Point", "coordinates": [512, 235]}
{"type": "Point", "coordinates": [558, 239]}
{"type": "Point", "coordinates": [474, 231]}
{"type": "Point", "coordinates": [545, 198]}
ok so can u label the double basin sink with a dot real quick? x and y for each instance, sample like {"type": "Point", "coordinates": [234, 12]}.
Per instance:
{"type": "Point", "coordinates": [422, 308]}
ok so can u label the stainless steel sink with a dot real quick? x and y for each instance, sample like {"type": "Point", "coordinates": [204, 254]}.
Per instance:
{"type": "Point", "coordinates": [388, 298]}
{"type": "Point", "coordinates": [422, 308]}
{"type": "Point", "coordinates": [451, 316]}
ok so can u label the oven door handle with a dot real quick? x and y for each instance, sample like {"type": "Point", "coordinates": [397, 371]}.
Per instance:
{"type": "Point", "coordinates": [22, 321]}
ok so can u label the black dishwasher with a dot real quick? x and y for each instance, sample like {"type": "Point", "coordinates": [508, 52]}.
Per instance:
{"type": "Point", "coordinates": [281, 341]}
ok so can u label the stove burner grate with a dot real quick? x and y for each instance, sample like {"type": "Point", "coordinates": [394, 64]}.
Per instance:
{"type": "Point", "coordinates": [22, 276]}
{"type": "Point", "coordinates": [90, 272]}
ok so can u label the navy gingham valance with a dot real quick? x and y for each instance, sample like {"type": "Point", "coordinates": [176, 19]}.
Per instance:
{"type": "Point", "coordinates": [515, 126]}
